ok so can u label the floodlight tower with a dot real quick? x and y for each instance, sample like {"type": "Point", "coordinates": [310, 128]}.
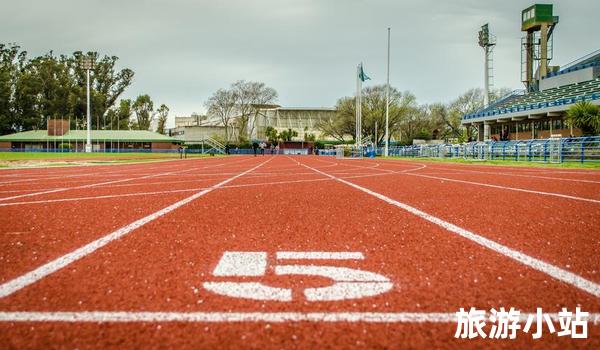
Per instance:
{"type": "Point", "coordinates": [487, 41]}
{"type": "Point", "coordinates": [536, 47]}
{"type": "Point", "coordinates": [87, 63]}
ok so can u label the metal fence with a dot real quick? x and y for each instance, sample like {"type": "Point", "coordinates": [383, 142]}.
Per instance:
{"type": "Point", "coordinates": [576, 149]}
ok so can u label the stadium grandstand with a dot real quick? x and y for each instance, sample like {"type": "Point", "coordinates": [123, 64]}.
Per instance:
{"type": "Point", "coordinates": [538, 111]}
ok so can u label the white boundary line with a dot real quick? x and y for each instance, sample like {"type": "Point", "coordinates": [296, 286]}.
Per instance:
{"type": "Point", "coordinates": [41, 272]}
{"type": "Point", "coordinates": [108, 182]}
{"type": "Point", "coordinates": [517, 189]}
{"type": "Point", "coordinates": [321, 255]}
{"type": "Point", "coordinates": [536, 264]}
{"type": "Point", "coordinates": [100, 197]}
{"type": "Point", "coordinates": [218, 317]}
{"type": "Point", "coordinates": [475, 172]}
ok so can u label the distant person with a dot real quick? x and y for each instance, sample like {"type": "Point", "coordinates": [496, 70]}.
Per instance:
{"type": "Point", "coordinates": [277, 149]}
{"type": "Point", "coordinates": [272, 148]}
{"type": "Point", "coordinates": [255, 147]}
{"type": "Point", "coordinates": [226, 149]}
{"type": "Point", "coordinates": [262, 148]}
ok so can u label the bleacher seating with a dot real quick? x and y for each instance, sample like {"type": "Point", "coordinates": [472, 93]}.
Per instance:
{"type": "Point", "coordinates": [564, 95]}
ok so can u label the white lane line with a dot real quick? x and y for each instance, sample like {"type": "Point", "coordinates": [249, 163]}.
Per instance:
{"type": "Point", "coordinates": [517, 189]}
{"type": "Point", "coordinates": [471, 172]}
{"type": "Point", "coordinates": [534, 263]}
{"type": "Point", "coordinates": [57, 264]}
{"type": "Point", "coordinates": [58, 200]}
{"type": "Point", "coordinates": [77, 199]}
{"type": "Point", "coordinates": [218, 317]}
{"type": "Point", "coordinates": [62, 189]}
{"type": "Point", "coordinates": [552, 194]}
{"type": "Point", "coordinates": [321, 255]}
{"type": "Point", "coordinates": [45, 177]}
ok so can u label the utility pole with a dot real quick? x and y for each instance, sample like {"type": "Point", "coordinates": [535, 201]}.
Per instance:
{"type": "Point", "coordinates": [87, 63]}
{"type": "Point", "coordinates": [387, 100]}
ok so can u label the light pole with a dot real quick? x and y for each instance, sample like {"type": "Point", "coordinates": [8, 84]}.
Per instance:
{"type": "Point", "coordinates": [387, 100]}
{"type": "Point", "coordinates": [87, 63]}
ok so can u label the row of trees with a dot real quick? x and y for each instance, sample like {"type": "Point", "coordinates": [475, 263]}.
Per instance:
{"type": "Point", "coordinates": [234, 106]}
{"type": "Point", "coordinates": [407, 119]}
{"type": "Point", "coordinates": [54, 86]}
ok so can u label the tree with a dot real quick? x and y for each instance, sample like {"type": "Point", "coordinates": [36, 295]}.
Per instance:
{"type": "Point", "coordinates": [119, 118]}
{"type": "Point", "coordinates": [271, 134]}
{"type": "Point", "coordinates": [143, 107]}
{"type": "Point", "coordinates": [107, 83]}
{"type": "Point", "coordinates": [373, 110]}
{"type": "Point", "coordinates": [287, 135]}
{"type": "Point", "coordinates": [51, 86]}
{"type": "Point", "coordinates": [222, 105]}
{"type": "Point", "coordinates": [12, 59]}
{"type": "Point", "coordinates": [586, 116]}
{"type": "Point", "coordinates": [249, 97]}
{"type": "Point", "coordinates": [163, 113]}
{"type": "Point", "coordinates": [308, 137]}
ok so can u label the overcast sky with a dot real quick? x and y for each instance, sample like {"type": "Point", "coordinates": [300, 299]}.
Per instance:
{"type": "Point", "coordinates": [183, 50]}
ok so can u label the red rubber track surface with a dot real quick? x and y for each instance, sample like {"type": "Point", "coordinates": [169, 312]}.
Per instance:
{"type": "Point", "coordinates": [285, 205]}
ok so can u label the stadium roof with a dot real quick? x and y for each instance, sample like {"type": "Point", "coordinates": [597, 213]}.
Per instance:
{"type": "Point", "coordinates": [80, 135]}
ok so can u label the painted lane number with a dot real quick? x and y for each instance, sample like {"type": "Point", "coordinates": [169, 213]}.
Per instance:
{"type": "Point", "coordinates": [348, 283]}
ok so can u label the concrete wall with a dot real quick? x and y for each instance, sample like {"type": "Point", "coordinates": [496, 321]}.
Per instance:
{"type": "Point", "coordinates": [163, 145]}
{"type": "Point", "coordinates": [541, 134]}
{"type": "Point", "coordinates": [577, 76]}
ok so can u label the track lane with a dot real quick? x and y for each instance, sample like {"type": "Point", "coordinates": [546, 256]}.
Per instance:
{"type": "Point", "coordinates": [433, 269]}
{"type": "Point", "coordinates": [33, 235]}
{"type": "Point", "coordinates": [564, 235]}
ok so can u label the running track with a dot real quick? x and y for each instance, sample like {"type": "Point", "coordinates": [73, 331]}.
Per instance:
{"type": "Point", "coordinates": [120, 256]}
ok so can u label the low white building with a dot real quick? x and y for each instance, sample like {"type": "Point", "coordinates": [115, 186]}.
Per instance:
{"type": "Point", "coordinates": [303, 120]}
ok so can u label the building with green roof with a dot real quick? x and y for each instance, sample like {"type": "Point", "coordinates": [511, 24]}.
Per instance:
{"type": "Point", "coordinates": [58, 135]}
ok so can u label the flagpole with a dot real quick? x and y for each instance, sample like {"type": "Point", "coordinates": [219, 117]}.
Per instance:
{"type": "Point", "coordinates": [387, 99]}
{"type": "Point", "coordinates": [357, 104]}
{"type": "Point", "coordinates": [360, 109]}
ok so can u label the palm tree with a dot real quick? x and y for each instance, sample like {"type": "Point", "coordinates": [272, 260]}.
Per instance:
{"type": "Point", "coordinates": [586, 116]}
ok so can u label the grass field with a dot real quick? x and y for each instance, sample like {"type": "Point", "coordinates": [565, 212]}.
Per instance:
{"type": "Point", "coordinates": [40, 159]}
{"type": "Point", "coordinates": [16, 156]}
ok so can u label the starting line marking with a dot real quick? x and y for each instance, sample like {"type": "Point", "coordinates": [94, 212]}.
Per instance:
{"type": "Point", "coordinates": [321, 255]}
{"type": "Point", "coordinates": [41, 272]}
{"type": "Point", "coordinates": [534, 263]}
{"type": "Point", "coordinates": [220, 317]}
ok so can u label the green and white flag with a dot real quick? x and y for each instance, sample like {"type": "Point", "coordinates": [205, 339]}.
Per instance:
{"type": "Point", "coordinates": [361, 75]}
